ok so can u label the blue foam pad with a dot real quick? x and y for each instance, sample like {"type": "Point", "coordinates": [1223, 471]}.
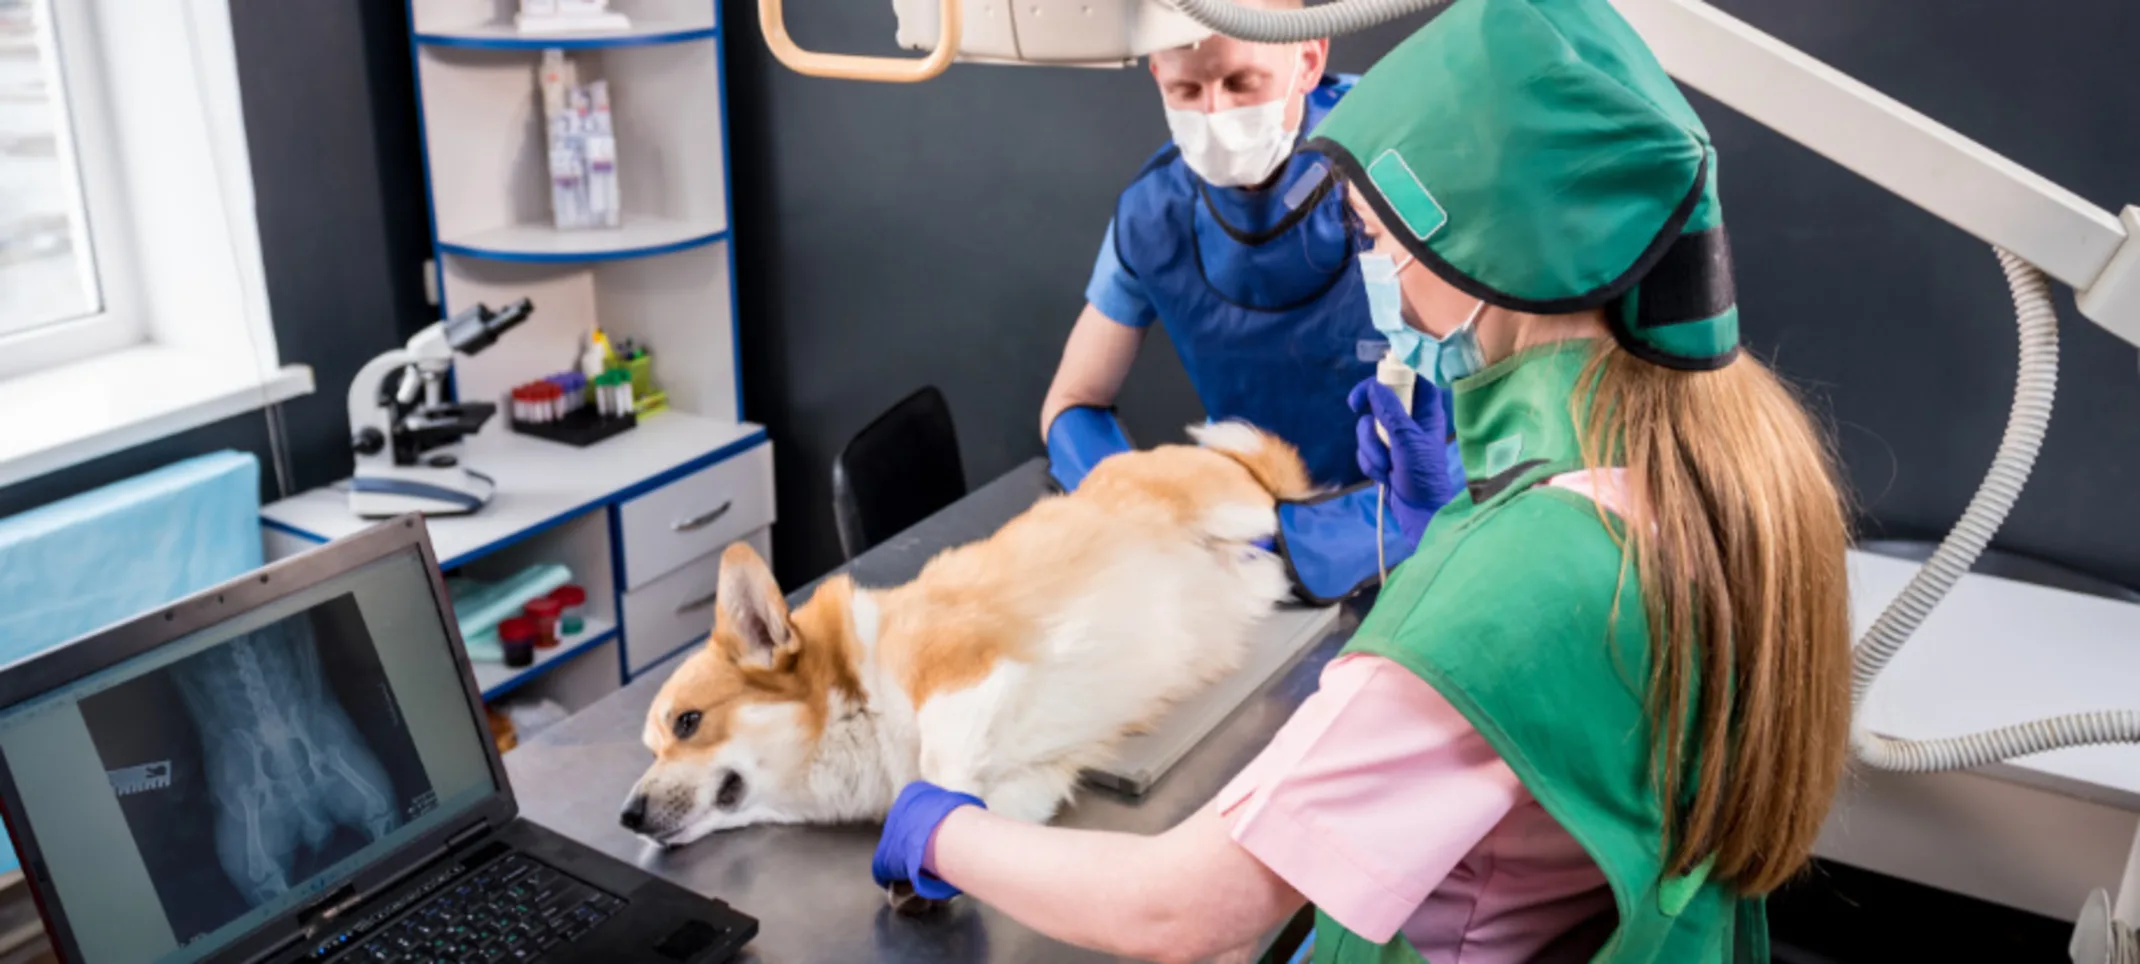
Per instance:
{"type": "Point", "coordinates": [107, 555]}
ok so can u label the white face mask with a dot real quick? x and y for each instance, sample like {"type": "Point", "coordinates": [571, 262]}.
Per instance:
{"type": "Point", "coordinates": [1238, 147]}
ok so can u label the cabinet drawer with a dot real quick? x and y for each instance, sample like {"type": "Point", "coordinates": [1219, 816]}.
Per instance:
{"type": "Point", "coordinates": [695, 515]}
{"type": "Point", "coordinates": [676, 609]}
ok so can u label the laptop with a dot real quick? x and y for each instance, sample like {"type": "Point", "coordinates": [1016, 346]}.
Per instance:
{"type": "Point", "coordinates": [296, 766]}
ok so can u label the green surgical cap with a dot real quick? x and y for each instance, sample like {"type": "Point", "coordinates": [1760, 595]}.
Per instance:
{"type": "Point", "coordinates": [1534, 154]}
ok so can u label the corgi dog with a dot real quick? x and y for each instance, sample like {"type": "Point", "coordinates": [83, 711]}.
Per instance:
{"type": "Point", "coordinates": [1005, 669]}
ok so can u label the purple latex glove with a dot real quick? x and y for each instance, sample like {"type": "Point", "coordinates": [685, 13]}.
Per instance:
{"type": "Point", "coordinates": [1415, 462]}
{"type": "Point", "coordinates": [908, 828]}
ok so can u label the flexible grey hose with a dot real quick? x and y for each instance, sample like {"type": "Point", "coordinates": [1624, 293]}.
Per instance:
{"type": "Point", "coordinates": [2025, 424]}
{"type": "Point", "coordinates": [1333, 19]}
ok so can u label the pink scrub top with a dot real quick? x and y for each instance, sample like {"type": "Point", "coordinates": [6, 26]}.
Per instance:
{"type": "Point", "coordinates": [1382, 805]}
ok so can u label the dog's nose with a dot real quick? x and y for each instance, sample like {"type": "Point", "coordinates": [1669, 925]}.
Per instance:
{"type": "Point", "coordinates": [634, 815]}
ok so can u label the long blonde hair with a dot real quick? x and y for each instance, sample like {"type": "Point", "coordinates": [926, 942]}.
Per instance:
{"type": "Point", "coordinates": [1736, 527]}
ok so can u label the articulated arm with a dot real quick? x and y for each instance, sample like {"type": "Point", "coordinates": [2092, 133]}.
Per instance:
{"type": "Point", "coordinates": [1841, 119]}
{"type": "Point", "coordinates": [1907, 153]}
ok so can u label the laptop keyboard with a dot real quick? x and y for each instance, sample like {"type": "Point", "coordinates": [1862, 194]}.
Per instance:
{"type": "Point", "coordinates": [514, 909]}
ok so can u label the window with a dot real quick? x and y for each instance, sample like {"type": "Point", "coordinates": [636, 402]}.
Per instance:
{"type": "Point", "coordinates": [65, 286]}
{"type": "Point", "coordinates": [48, 272]}
{"type": "Point", "coordinates": [133, 301]}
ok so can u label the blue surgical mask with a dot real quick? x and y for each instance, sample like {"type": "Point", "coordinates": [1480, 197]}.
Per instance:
{"type": "Point", "coordinates": [1438, 360]}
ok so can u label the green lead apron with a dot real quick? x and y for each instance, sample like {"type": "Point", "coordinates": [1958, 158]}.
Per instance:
{"type": "Point", "coordinates": [1508, 610]}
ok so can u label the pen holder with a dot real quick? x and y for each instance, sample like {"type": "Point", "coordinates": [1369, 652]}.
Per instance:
{"type": "Point", "coordinates": [646, 398]}
{"type": "Point", "coordinates": [642, 369]}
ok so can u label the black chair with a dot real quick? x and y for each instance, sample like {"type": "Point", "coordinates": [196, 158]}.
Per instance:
{"type": "Point", "coordinates": [897, 471]}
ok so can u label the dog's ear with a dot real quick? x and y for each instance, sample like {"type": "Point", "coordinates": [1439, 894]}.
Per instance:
{"type": "Point", "coordinates": [750, 621]}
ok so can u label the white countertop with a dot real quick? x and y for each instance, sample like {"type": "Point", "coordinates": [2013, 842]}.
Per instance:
{"type": "Point", "coordinates": [1997, 652]}
{"type": "Point", "coordinates": [540, 483]}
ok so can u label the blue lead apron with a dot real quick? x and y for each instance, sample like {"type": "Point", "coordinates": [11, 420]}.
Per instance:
{"type": "Point", "coordinates": [1260, 293]}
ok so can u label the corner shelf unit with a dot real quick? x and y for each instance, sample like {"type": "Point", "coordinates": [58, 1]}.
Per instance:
{"type": "Point", "coordinates": [504, 36]}
{"type": "Point", "coordinates": [665, 278]}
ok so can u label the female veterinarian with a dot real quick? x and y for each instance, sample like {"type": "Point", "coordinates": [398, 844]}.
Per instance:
{"type": "Point", "coordinates": [1603, 708]}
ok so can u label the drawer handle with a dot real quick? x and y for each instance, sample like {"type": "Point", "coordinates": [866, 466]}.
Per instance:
{"type": "Point", "coordinates": [697, 604]}
{"type": "Point", "coordinates": [702, 521]}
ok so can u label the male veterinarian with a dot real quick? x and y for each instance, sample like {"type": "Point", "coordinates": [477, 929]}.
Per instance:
{"type": "Point", "coordinates": [1246, 252]}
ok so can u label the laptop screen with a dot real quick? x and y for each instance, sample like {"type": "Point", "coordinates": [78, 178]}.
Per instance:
{"type": "Point", "coordinates": [195, 792]}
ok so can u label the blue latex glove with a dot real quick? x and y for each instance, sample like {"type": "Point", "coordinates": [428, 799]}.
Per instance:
{"type": "Point", "coordinates": [920, 809]}
{"type": "Point", "coordinates": [1078, 439]}
{"type": "Point", "coordinates": [1415, 463]}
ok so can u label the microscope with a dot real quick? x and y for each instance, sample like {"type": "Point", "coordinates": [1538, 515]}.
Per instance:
{"type": "Point", "coordinates": [407, 436]}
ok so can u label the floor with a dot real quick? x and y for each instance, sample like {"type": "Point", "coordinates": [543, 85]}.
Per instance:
{"type": "Point", "coordinates": [1841, 915]}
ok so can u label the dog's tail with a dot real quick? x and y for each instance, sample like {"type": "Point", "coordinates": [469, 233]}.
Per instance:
{"type": "Point", "coordinates": [1273, 461]}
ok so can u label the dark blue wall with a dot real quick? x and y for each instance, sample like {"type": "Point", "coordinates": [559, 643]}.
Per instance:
{"type": "Point", "coordinates": [892, 236]}
{"type": "Point", "coordinates": [1902, 323]}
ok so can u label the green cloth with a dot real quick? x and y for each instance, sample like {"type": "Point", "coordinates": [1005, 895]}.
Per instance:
{"type": "Point", "coordinates": [1508, 610]}
{"type": "Point", "coordinates": [1534, 154]}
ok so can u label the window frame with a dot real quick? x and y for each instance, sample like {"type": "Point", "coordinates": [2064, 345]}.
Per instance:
{"type": "Point", "coordinates": [89, 152]}
{"type": "Point", "coordinates": [187, 336]}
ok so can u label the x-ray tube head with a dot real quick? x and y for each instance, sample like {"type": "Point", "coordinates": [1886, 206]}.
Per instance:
{"type": "Point", "coordinates": [1097, 33]}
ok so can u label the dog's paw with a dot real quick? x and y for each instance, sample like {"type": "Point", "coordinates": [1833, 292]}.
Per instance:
{"type": "Point", "coordinates": [906, 903]}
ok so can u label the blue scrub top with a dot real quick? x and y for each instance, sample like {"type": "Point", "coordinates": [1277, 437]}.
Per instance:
{"type": "Point", "coordinates": [1259, 291]}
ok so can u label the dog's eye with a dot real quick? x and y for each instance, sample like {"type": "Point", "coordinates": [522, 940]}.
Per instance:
{"type": "Point", "coordinates": [731, 792]}
{"type": "Point", "coordinates": [686, 724]}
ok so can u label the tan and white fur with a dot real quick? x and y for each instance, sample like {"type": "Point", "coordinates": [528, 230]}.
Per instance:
{"type": "Point", "coordinates": [1005, 669]}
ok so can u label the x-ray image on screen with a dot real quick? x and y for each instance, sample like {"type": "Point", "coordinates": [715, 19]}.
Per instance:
{"type": "Point", "coordinates": [246, 768]}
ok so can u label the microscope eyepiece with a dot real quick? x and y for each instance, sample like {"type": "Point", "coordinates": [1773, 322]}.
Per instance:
{"type": "Point", "coordinates": [473, 329]}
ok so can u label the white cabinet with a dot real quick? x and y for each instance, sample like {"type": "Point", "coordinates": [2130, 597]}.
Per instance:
{"type": "Point", "coordinates": [641, 517]}
{"type": "Point", "coordinates": [696, 515]}
{"type": "Point", "coordinates": [676, 610]}
{"type": "Point", "coordinates": [665, 276]}
{"type": "Point", "coordinates": [646, 505]}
